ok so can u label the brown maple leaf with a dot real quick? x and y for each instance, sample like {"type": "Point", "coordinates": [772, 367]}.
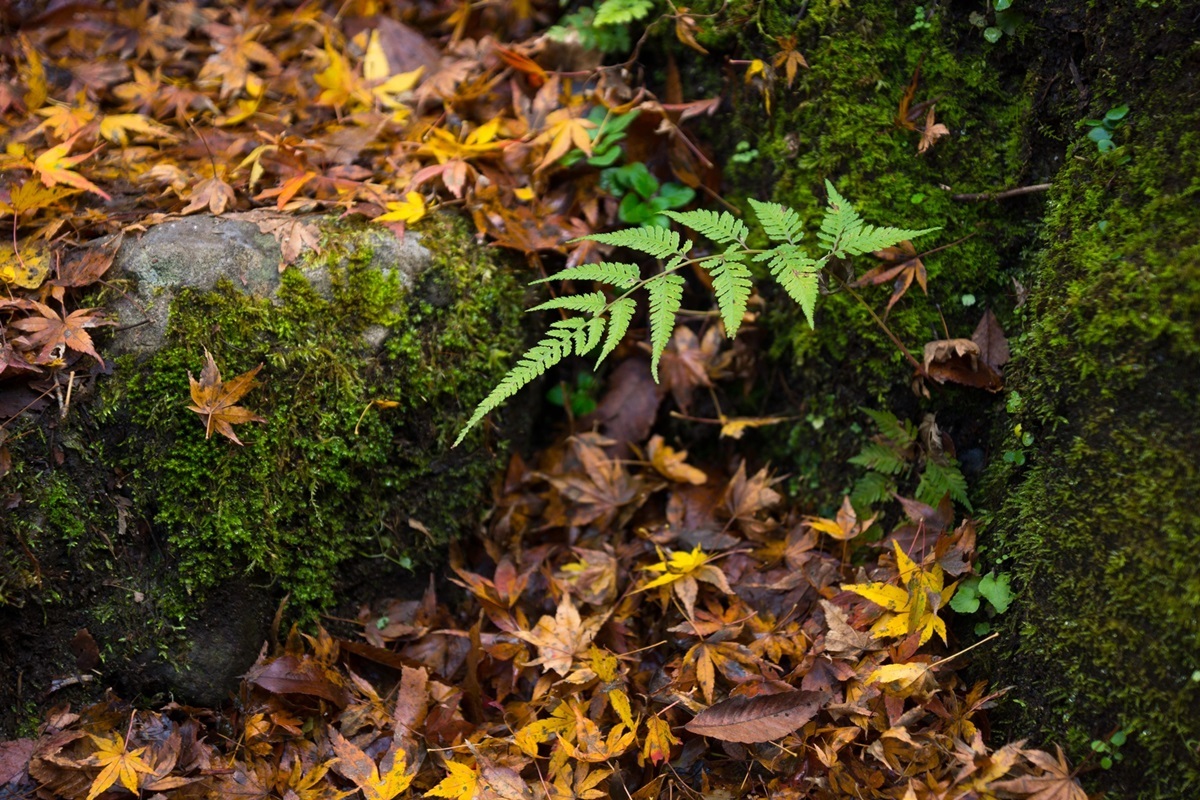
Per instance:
{"type": "Point", "coordinates": [932, 131]}
{"type": "Point", "coordinates": [901, 263]}
{"type": "Point", "coordinates": [1055, 783]}
{"type": "Point", "coordinates": [215, 400]}
{"type": "Point", "coordinates": [51, 331]}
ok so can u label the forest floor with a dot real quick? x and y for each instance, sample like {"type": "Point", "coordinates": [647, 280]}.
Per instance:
{"type": "Point", "coordinates": [632, 623]}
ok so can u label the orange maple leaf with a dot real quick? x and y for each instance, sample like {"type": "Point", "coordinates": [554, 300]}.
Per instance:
{"type": "Point", "coordinates": [215, 400]}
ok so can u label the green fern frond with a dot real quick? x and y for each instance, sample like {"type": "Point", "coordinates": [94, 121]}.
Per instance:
{"type": "Point", "coordinates": [871, 489]}
{"type": "Point", "coordinates": [589, 303]}
{"type": "Point", "coordinates": [537, 360]}
{"type": "Point", "coordinates": [881, 458]}
{"type": "Point", "coordinates": [901, 434]}
{"type": "Point", "coordinates": [619, 317]}
{"type": "Point", "coordinates": [624, 276]}
{"type": "Point", "coordinates": [868, 238]}
{"type": "Point", "coordinates": [654, 241]}
{"type": "Point", "coordinates": [731, 282]}
{"type": "Point", "coordinates": [723, 228]}
{"type": "Point", "coordinates": [666, 296]}
{"type": "Point", "coordinates": [797, 274]}
{"type": "Point", "coordinates": [621, 12]}
{"type": "Point", "coordinates": [780, 223]}
{"type": "Point", "coordinates": [939, 480]}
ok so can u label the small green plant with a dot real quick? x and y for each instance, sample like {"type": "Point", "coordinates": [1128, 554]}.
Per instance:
{"type": "Point", "coordinates": [641, 198]}
{"type": "Point", "coordinates": [894, 454]}
{"type": "Point", "coordinates": [993, 588]}
{"type": "Point", "coordinates": [1110, 751]}
{"type": "Point", "coordinates": [843, 233]}
{"type": "Point", "coordinates": [581, 399]}
{"type": "Point", "coordinates": [1006, 20]}
{"type": "Point", "coordinates": [743, 153]}
{"type": "Point", "coordinates": [920, 20]}
{"type": "Point", "coordinates": [1101, 130]}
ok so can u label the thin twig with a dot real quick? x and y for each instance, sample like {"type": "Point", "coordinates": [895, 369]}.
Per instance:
{"type": "Point", "coordinates": [985, 196]}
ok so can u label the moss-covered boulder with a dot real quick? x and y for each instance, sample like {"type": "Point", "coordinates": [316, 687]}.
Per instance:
{"type": "Point", "coordinates": [125, 519]}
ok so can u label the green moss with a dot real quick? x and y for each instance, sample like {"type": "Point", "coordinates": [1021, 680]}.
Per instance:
{"type": "Point", "coordinates": [1101, 530]}
{"type": "Point", "coordinates": [330, 474]}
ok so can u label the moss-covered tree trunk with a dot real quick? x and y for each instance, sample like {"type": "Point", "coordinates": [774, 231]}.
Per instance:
{"type": "Point", "coordinates": [1101, 526]}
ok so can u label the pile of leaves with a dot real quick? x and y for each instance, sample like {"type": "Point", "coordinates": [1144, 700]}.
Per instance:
{"type": "Point", "coordinates": [635, 627]}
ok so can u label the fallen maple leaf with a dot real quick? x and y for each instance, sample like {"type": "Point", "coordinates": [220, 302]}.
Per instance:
{"type": "Point", "coordinates": [459, 784]}
{"type": "Point", "coordinates": [1056, 784]}
{"type": "Point", "coordinates": [932, 132]}
{"type": "Point", "coordinates": [355, 765]}
{"type": "Point", "coordinates": [53, 167]}
{"type": "Point", "coordinates": [212, 193]}
{"type": "Point", "coordinates": [51, 331]}
{"type": "Point", "coordinates": [673, 465]}
{"type": "Point", "coordinates": [119, 764]}
{"type": "Point", "coordinates": [215, 400]}
{"type": "Point", "coordinates": [411, 209]}
{"type": "Point", "coordinates": [560, 637]}
{"type": "Point", "coordinates": [900, 262]}
{"type": "Point", "coordinates": [913, 608]}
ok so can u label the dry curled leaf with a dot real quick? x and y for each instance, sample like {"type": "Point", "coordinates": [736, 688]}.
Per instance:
{"type": "Point", "coordinates": [215, 401]}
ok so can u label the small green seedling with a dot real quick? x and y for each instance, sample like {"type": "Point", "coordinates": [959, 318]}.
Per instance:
{"type": "Point", "coordinates": [643, 198]}
{"type": "Point", "coordinates": [1006, 21]}
{"type": "Point", "coordinates": [743, 153]}
{"type": "Point", "coordinates": [993, 588]}
{"type": "Point", "coordinates": [582, 397]}
{"type": "Point", "coordinates": [1110, 751]}
{"type": "Point", "coordinates": [1102, 129]}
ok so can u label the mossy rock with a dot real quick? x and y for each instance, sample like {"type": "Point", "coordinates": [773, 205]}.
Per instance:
{"type": "Point", "coordinates": [127, 520]}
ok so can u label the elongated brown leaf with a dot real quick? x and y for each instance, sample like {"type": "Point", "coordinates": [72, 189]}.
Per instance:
{"type": "Point", "coordinates": [291, 675]}
{"type": "Point", "coordinates": [993, 345]}
{"type": "Point", "coordinates": [757, 719]}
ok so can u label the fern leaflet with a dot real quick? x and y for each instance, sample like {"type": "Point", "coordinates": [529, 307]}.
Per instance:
{"type": "Point", "coordinates": [666, 295]}
{"type": "Point", "coordinates": [587, 337]}
{"type": "Point", "coordinates": [881, 458]}
{"type": "Point", "coordinates": [619, 317]}
{"type": "Point", "coordinates": [723, 228]}
{"type": "Point", "coordinates": [797, 274]}
{"type": "Point", "coordinates": [621, 12]}
{"type": "Point", "coordinates": [844, 232]}
{"type": "Point", "coordinates": [654, 241]}
{"type": "Point", "coordinates": [901, 434]}
{"type": "Point", "coordinates": [731, 282]}
{"type": "Point", "coordinates": [590, 303]}
{"type": "Point", "coordinates": [939, 480]}
{"type": "Point", "coordinates": [537, 360]}
{"type": "Point", "coordinates": [780, 223]}
{"type": "Point", "coordinates": [624, 276]}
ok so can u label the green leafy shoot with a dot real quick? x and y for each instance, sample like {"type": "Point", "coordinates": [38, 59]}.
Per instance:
{"type": "Point", "coordinates": [607, 314]}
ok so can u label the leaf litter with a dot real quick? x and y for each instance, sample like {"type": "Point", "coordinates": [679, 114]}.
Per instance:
{"type": "Point", "coordinates": [631, 628]}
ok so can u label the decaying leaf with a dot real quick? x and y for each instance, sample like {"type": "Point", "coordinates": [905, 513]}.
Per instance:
{"type": "Point", "coordinates": [757, 719]}
{"type": "Point", "coordinates": [215, 400]}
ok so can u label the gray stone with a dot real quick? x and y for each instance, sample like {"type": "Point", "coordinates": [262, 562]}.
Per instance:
{"type": "Point", "coordinates": [198, 251]}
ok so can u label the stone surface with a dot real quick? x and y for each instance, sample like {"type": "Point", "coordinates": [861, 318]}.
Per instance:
{"type": "Point", "coordinates": [199, 251]}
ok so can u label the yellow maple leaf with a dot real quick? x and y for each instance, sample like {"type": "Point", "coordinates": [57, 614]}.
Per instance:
{"type": "Point", "coordinates": [459, 784]}
{"type": "Point", "coordinates": [117, 127]}
{"type": "Point", "coordinates": [445, 146]}
{"type": "Point", "coordinates": [53, 167]}
{"type": "Point", "coordinates": [375, 783]}
{"type": "Point", "coordinates": [656, 747]}
{"type": "Point", "coordinates": [564, 132]}
{"type": "Point", "coordinates": [411, 209]}
{"type": "Point", "coordinates": [680, 565]}
{"type": "Point", "coordinates": [913, 608]}
{"type": "Point", "coordinates": [118, 763]}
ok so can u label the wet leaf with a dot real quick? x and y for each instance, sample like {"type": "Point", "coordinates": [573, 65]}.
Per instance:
{"type": "Point", "coordinates": [757, 719]}
{"type": "Point", "coordinates": [215, 400]}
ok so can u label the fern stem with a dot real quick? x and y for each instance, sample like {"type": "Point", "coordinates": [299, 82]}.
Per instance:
{"type": "Point", "coordinates": [883, 325]}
